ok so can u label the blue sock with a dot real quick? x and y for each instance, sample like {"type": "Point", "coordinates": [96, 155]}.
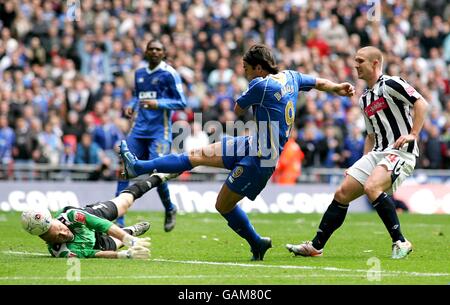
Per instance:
{"type": "Point", "coordinates": [173, 163]}
{"type": "Point", "coordinates": [239, 222]}
{"type": "Point", "coordinates": [121, 185]}
{"type": "Point", "coordinates": [163, 192]}
{"type": "Point", "coordinates": [120, 221]}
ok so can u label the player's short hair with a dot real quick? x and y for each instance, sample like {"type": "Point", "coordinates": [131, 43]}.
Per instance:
{"type": "Point", "coordinates": [154, 40]}
{"type": "Point", "coordinates": [259, 54]}
{"type": "Point", "coordinates": [373, 53]}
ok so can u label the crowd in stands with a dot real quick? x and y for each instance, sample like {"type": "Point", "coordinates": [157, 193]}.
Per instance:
{"type": "Point", "coordinates": [65, 82]}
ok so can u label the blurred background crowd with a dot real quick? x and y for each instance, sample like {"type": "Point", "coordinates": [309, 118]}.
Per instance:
{"type": "Point", "coordinates": [64, 83]}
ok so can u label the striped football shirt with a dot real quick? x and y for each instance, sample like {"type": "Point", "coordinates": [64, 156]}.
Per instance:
{"type": "Point", "coordinates": [387, 111]}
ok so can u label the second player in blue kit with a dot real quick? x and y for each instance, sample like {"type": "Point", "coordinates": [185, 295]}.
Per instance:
{"type": "Point", "coordinates": [158, 91]}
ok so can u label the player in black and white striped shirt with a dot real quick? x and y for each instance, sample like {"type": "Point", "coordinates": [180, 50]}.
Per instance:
{"type": "Point", "coordinates": [390, 153]}
{"type": "Point", "coordinates": [387, 111]}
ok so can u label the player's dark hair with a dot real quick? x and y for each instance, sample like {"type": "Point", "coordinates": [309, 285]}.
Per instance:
{"type": "Point", "coordinates": [259, 54]}
{"type": "Point", "coordinates": [156, 41]}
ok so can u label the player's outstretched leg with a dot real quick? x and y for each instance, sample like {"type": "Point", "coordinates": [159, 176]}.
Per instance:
{"type": "Point", "coordinates": [127, 197]}
{"type": "Point", "coordinates": [171, 163]}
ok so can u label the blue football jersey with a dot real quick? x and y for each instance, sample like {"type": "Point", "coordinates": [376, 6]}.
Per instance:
{"type": "Point", "coordinates": [273, 99]}
{"type": "Point", "coordinates": [164, 85]}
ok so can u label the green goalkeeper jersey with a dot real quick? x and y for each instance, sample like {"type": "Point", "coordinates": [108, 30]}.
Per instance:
{"type": "Point", "coordinates": [83, 226]}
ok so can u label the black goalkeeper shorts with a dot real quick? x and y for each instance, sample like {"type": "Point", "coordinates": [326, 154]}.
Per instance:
{"type": "Point", "coordinates": [106, 210]}
{"type": "Point", "coordinates": [104, 242]}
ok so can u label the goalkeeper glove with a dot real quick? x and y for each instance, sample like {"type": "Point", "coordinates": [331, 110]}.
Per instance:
{"type": "Point", "coordinates": [131, 241]}
{"type": "Point", "coordinates": [136, 252]}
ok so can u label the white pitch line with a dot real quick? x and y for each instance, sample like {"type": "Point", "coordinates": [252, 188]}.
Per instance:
{"type": "Point", "coordinates": [198, 276]}
{"type": "Point", "coordinates": [333, 269]}
{"type": "Point", "coordinates": [383, 272]}
{"type": "Point", "coordinates": [314, 223]}
{"type": "Point", "coordinates": [26, 253]}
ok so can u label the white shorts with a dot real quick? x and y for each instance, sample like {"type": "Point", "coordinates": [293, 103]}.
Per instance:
{"type": "Point", "coordinates": [400, 163]}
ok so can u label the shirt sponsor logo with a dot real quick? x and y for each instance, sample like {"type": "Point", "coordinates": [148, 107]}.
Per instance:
{"type": "Point", "coordinates": [237, 172]}
{"type": "Point", "coordinates": [410, 90]}
{"type": "Point", "coordinates": [80, 217]}
{"type": "Point", "coordinates": [375, 106]}
{"type": "Point", "coordinates": [145, 95]}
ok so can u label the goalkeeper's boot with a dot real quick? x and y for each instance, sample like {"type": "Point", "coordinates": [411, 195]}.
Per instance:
{"type": "Point", "coordinates": [170, 219]}
{"type": "Point", "coordinates": [129, 159]}
{"type": "Point", "coordinates": [138, 229]}
{"type": "Point", "coordinates": [165, 177]}
{"type": "Point", "coordinates": [264, 244]}
{"type": "Point", "coordinates": [304, 249]}
{"type": "Point", "coordinates": [401, 249]}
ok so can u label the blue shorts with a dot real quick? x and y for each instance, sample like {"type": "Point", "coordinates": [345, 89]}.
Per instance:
{"type": "Point", "coordinates": [247, 177]}
{"type": "Point", "coordinates": [148, 149]}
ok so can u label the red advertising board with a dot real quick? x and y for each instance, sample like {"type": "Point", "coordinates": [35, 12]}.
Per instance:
{"type": "Point", "coordinates": [426, 198]}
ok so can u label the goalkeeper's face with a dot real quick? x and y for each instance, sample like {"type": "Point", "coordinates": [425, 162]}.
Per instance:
{"type": "Point", "coordinates": [58, 233]}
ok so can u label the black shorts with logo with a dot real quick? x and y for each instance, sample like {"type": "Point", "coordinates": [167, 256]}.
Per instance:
{"type": "Point", "coordinates": [106, 210]}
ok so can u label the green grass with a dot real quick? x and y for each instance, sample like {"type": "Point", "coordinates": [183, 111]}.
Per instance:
{"type": "Point", "coordinates": [203, 250]}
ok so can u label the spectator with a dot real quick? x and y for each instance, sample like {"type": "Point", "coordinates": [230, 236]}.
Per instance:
{"type": "Point", "coordinates": [73, 128]}
{"type": "Point", "coordinates": [332, 157]}
{"type": "Point", "coordinates": [7, 139]}
{"type": "Point", "coordinates": [221, 75]}
{"type": "Point", "coordinates": [52, 64]}
{"type": "Point", "coordinates": [68, 154]}
{"type": "Point", "coordinates": [51, 144]}
{"type": "Point", "coordinates": [87, 151]}
{"type": "Point", "coordinates": [107, 135]}
{"type": "Point", "coordinates": [25, 147]}
{"type": "Point", "coordinates": [353, 146]}
{"type": "Point", "coordinates": [26, 142]}
{"type": "Point", "coordinates": [289, 167]}
{"type": "Point", "coordinates": [432, 153]}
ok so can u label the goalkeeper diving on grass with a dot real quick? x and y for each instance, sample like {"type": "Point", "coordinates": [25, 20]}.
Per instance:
{"type": "Point", "coordinates": [89, 232]}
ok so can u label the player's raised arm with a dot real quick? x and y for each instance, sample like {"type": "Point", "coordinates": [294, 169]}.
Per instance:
{"type": "Point", "coordinates": [343, 89]}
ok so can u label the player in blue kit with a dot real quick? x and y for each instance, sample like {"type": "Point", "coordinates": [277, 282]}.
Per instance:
{"type": "Point", "coordinates": [158, 91]}
{"type": "Point", "coordinates": [251, 159]}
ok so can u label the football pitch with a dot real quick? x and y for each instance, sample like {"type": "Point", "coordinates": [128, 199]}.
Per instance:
{"type": "Point", "coordinates": [202, 250]}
